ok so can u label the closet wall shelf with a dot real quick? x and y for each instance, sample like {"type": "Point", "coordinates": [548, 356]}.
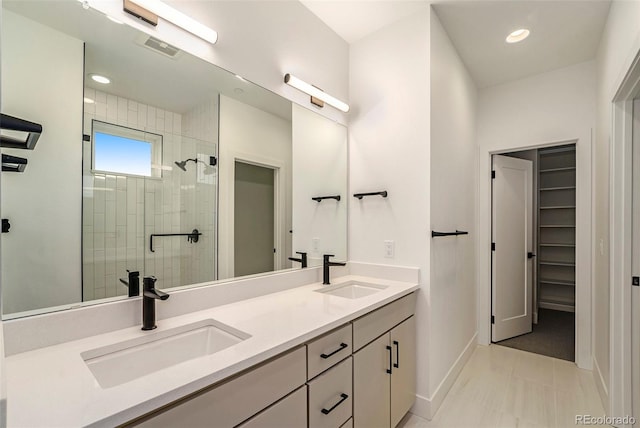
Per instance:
{"type": "Point", "coordinates": [558, 225]}
{"type": "Point", "coordinates": [549, 263]}
{"type": "Point", "coordinates": [559, 207]}
{"type": "Point", "coordinates": [550, 189]}
{"type": "Point", "coordinates": [568, 168]}
{"type": "Point", "coordinates": [558, 282]}
{"type": "Point", "coordinates": [558, 245]}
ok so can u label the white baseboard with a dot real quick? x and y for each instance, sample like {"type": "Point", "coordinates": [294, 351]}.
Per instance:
{"type": "Point", "coordinates": [427, 407]}
{"type": "Point", "coordinates": [601, 386]}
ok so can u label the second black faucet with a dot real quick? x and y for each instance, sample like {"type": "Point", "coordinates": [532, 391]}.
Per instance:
{"type": "Point", "coordinates": [326, 264]}
{"type": "Point", "coordinates": [149, 297]}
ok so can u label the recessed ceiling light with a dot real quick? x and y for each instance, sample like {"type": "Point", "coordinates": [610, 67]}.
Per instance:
{"type": "Point", "coordinates": [518, 35]}
{"type": "Point", "coordinates": [88, 100]}
{"type": "Point", "coordinates": [112, 19]}
{"type": "Point", "coordinates": [100, 79]}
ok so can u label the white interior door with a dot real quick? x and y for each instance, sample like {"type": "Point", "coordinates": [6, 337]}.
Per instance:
{"type": "Point", "coordinates": [512, 271]}
{"type": "Point", "coordinates": [635, 265]}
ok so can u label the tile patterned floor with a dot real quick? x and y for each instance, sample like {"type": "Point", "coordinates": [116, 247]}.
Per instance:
{"type": "Point", "coordinates": [504, 387]}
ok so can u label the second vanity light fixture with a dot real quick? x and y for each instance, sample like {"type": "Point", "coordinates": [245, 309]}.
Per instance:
{"type": "Point", "coordinates": [164, 11]}
{"type": "Point", "coordinates": [315, 93]}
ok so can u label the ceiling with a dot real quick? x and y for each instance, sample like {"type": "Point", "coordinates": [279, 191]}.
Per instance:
{"type": "Point", "coordinates": [562, 32]}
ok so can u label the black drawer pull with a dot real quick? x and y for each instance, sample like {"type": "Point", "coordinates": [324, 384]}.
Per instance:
{"type": "Point", "coordinates": [340, 348]}
{"type": "Point", "coordinates": [343, 397]}
{"type": "Point", "coordinates": [390, 370]}
{"type": "Point", "coordinates": [397, 363]}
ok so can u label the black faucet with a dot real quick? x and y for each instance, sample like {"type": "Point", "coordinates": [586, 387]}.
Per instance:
{"type": "Point", "coordinates": [325, 267]}
{"type": "Point", "coordinates": [302, 259]}
{"type": "Point", "coordinates": [133, 283]}
{"type": "Point", "coordinates": [149, 296]}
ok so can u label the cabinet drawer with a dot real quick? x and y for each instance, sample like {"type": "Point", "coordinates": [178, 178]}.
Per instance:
{"type": "Point", "coordinates": [326, 351]}
{"type": "Point", "coordinates": [370, 326]}
{"type": "Point", "coordinates": [330, 397]}
{"type": "Point", "coordinates": [348, 424]}
{"type": "Point", "coordinates": [234, 401]}
{"type": "Point", "coordinates": [290, 412]}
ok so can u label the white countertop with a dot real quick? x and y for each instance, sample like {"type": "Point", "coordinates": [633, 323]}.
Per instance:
{"type": "Point", "coordinates": [52, 386]}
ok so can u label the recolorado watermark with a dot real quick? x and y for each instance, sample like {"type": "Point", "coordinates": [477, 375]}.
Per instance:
{"type": "Point", "coordinates": [604, 420]}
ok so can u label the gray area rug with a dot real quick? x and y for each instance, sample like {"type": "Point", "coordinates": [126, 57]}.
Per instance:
{"type": "Point", "coordinates": [553, 336]}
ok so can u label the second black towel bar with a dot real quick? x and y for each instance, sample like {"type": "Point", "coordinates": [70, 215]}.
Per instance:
{"type": "Point", "coordinates": [361, 195]}
{"type": "Point", "coordinates": [435, 234]}
{"type": "Point", "coordinates": [191, 237]}
{"type": "Point", "coordinates": [11, 123]}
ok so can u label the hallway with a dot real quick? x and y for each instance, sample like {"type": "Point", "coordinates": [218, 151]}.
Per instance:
{"type": "Point", "coordinates": [504, 387]}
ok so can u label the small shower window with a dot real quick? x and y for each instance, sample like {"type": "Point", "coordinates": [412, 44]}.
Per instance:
{"type": "Point", "coordinates": [121, 150]}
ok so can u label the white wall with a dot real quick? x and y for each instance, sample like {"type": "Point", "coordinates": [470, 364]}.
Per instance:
{"type": "Point", "coordinates": [453, 206]}
{"type": "Point", "coordinates": [553, 107]}
{"type": "Point", "coordinates": [618, 48]}
{"type": "Point", "coordinates": [389, 150]}
{"type": "Point", "coordinates": [319, 169]}
{"type": "Point", "coordinates": [253, 135]}
{"type": "Point", "coordinates": [261, 41]}
{"type": "Point", "coordinates": [42, 82]}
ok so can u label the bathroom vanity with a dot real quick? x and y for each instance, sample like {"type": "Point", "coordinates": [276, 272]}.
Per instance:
{"type": "Point", "coordinates": [312, 356]}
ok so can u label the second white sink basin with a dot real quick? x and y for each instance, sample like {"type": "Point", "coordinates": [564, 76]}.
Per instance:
{"type": "Point", "coordinates": [352, 289]}
{"type": "Point", "coordinates": [125, 361]}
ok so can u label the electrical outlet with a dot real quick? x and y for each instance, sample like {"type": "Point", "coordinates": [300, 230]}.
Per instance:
{"type": "Point", "coordinates": [315, 244]}
{"type": "Point", "coordinates": [389, 249]}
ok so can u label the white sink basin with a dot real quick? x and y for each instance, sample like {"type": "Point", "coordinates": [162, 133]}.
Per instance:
{"type": "Point", "coordinates": [125, 361]}
{"type": "Point", "coordinates": [351, 289]}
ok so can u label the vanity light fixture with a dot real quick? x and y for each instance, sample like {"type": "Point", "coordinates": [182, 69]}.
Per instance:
{"type": "Point", "coordinates": [316, 93]}
{"type": "Point", "coordinates": [518, 35]}
{"type": "Point", "coordinates": [100, 79]}
{"type": "Point", "coordinates": [164, 11]}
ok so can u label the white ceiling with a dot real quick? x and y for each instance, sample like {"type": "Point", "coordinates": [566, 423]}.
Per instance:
{"type": "Point", "coordinates": [562, 32]}
{"type": "Point", "coordinates": [355, 19]}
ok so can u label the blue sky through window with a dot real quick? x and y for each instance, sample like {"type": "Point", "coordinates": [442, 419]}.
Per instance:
{"type": "Point", "coordinates": [123, 155]}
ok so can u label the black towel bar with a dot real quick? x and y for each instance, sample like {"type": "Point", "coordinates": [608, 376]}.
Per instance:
{"type": "Point", "coordinates": [191, 237]}
{"type": "Point", "coordinates": [361, 195]}
{"type": "Point", "coordinates": [11, 123]}
{"type": "Point", "coordinates": [321, 198]}
{"type": "Point", "coordinates": [435, 234]}
{"type": "Point", "coordinates": [13, 163]}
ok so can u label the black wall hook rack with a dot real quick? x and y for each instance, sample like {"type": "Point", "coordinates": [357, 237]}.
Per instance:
{"type": "Point", "coordinates": [191, 237]}
{"type": "Point", "coordinates": [435, 234]}
{"type": "Point", "coordinates": [321, 198]}
{"type": "Point", "coordinates": [13, 163]}
{"type": "Point", "coordinates": [11, 123]}
{"type": "Point", "coordinates": [362, 195]}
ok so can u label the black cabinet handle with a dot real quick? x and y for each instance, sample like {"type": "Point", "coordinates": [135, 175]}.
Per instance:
{"type": "Point", "coordinates": [340, 348]}
{"type": "Point", "coordinates": [343, 397]}
{"type": "Point", "coordinates": [397, 363]}
{"type": "Point", "coordinates": [390, 369]}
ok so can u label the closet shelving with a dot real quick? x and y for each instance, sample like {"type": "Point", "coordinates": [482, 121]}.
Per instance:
{"type": "Point", "coordinates": [556, 227]}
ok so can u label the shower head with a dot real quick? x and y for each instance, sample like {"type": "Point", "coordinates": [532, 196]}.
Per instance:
{"type": "Point", "coordinates": [183, 164]}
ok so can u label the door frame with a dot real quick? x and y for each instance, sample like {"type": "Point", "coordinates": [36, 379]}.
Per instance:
{"type": "Point", "coordinates": [584, 227]}
{"type": "Point", "coordinates": [620, 229]}
{"type": "Point", "coordinates": [226, 262]}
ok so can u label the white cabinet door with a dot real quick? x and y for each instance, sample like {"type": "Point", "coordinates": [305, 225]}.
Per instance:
{"type": "Point", "coordinates": [403, 378]}
{"type": "Point", "coordinates": [371, 384]}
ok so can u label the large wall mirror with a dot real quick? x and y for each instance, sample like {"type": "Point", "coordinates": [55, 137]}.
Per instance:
{"type": "Point", "coordinates": [175, 168]}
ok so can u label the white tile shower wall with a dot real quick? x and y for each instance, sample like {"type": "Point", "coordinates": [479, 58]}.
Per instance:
{"type": "Point", "coordinates": [120, 212]}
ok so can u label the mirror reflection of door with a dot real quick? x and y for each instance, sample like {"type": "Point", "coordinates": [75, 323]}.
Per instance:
{"type": "Point", "coordinates": [254, 234]}
{"type": "Point", "coordinates": [635, 264]}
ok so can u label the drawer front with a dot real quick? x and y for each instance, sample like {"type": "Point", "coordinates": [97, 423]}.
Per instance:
{"type": "Point", "coordinates": [290, 412]}
{"type": "Point", "coordinates": [348, 424]}
{"type": "Point", "coordinates": [234, 401]}
{"type": "Point", "coordinates": [328, 350]}
{"type": "Point", "coordinates": [330, 397]}
{"type": "Point", "coordinates": [378, 322]}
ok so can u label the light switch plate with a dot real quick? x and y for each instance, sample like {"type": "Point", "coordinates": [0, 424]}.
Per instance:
{"type": "Point", "coordinates": [389, 249]}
